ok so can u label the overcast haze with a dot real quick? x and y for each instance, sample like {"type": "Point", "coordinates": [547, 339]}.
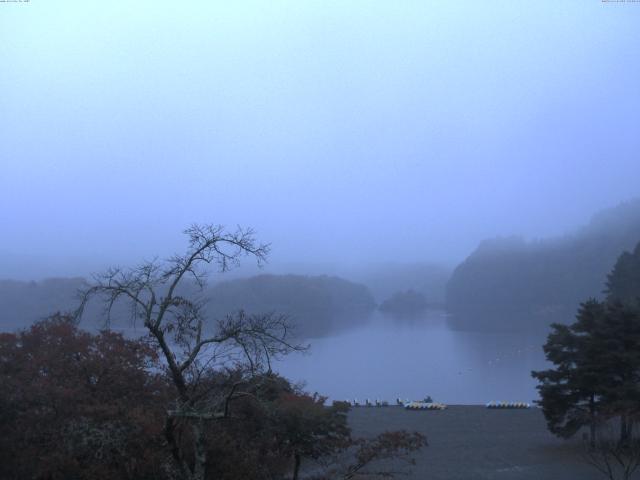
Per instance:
{"type": "Point", "coordinates": [343, 132]}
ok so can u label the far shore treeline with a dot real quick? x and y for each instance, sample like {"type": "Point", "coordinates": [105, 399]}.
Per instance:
{"type": "Point", "coordinates": [506, 284]}
{"type": "Point", "coordinates": [511, 284]}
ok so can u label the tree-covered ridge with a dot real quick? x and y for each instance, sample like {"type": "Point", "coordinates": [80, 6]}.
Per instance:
{"type": "Point", "coordinates": [316, 305]}
{"type": "Point", "coordinates": [405, 304]}
{"type": "Point", "coordinates": [22, 303]}
{"type": "Point", "coordinates": [510, 283]}
{"type": "Point", "coordinates": [386, 278]}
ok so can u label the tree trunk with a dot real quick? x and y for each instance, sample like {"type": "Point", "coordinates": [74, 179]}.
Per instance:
{"type": "Point", "coordinates": [175, 449]}
{"type": "Point", "coordinates": [592, 422]}
{"type": "Point", "coordinates": [296, 466]}
{"type": "Point", "coordinates": [592, 435]}
{"type": "Point", "coordinates": [624, 430]}
{"type": "Point", "coordinates": [199, 451]}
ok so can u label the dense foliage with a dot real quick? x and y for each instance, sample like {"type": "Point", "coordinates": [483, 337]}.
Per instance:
{"type": "Point", "coordinates": [79, 406]}
{"type": "Point", "coordinates": [75, 405]}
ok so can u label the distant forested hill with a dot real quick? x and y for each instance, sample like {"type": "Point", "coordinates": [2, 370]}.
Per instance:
{"type": "Point", "coordinates": [406, 304]}
{"type": "Point", "coordinates": [318, 305]}
{"type": "Point", "coordinates": [512, 284]}
{"type": "Point", "coordinates": [22, 303]}
{"type": "Point", "coordinates": [386, 279]}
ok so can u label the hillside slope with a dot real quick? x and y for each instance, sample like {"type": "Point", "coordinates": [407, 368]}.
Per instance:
{"type": "Point", "coordinates": [512, 284]}
{"type": "Point", "coordinates": [318, 305]}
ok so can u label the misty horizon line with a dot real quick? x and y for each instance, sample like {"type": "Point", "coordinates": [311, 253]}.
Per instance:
{"type": "Point", "coordinates": [327, 267]}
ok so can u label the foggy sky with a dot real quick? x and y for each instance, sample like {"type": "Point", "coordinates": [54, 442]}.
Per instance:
{"type": "Point", "coordinates": [342, 131]}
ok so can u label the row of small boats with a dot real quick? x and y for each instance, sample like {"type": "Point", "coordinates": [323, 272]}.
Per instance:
{"type": "Point", "coordinates": [508, 405]}
{"type": "Point", "coordinates": [429, 404]}
{"type": "Point", "coordinates": [425, 406]}
{"type": "Point", "coordinates": [368, 403]}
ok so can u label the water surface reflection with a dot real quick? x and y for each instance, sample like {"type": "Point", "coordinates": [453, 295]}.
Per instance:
{"type": "Point", "coordinates": [385, 359]}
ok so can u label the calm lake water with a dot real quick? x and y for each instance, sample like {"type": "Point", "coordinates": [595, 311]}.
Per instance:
{"type": "Point", "coordinates": [387, 359]}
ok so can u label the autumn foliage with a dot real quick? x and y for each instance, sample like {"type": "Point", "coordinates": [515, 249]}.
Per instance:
{"type": "Point", "coordinates": [77, 405]}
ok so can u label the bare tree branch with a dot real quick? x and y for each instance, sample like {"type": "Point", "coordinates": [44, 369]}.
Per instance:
{"type": "Point", "coordinates": [177, 323]}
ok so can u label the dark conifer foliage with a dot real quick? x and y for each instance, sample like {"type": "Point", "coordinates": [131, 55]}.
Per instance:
{"type": "Point", "coordinates": [623, 283]}
{"type": "Point", "coordinates": [571, 393]}
{"type": "Point", "coordinates": [596, 373]}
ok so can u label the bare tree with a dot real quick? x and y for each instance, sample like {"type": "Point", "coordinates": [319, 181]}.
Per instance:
{"type": "Point", "coordinates": [162, 297]}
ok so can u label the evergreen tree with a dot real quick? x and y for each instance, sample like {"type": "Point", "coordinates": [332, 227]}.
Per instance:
{"type": "Point", "coordinates": [570, 393]}
{"type": "Point", "coordinates": [596, 374]}
{"type": "Point", "coordinates": [619, 357]}
{"type": "Point", "coordinates": [623, 283]}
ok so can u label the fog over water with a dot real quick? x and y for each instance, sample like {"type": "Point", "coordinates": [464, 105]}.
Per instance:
{"type": "Point", "coordinates": [385, 360]}
{"type": "Point", "coordinates": [344, 132]}
{"type": "Point", "coordinates": [349, 135]}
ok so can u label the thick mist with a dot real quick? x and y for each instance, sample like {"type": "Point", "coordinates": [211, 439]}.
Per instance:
{"type": "Point", "coordinates": [220, 220]}
{"type": "Point", "coordinates": [345, 134]}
